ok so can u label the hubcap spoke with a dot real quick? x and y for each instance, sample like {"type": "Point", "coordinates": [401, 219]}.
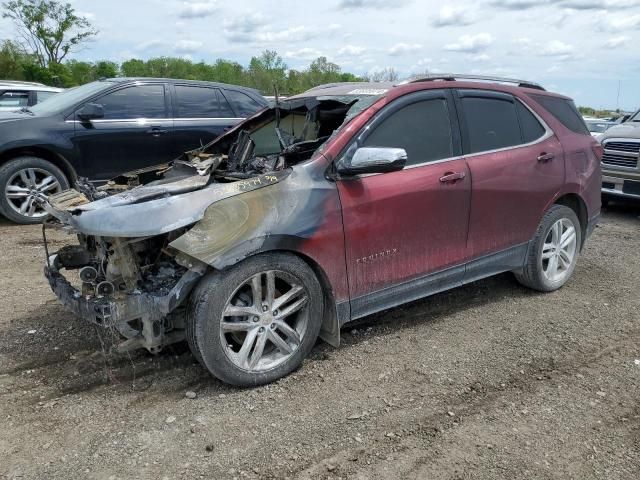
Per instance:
{"type": "Point", "coordinates": [14, 191]}
{"type": "Point", "coordinates": [239, 311]}
{"type": "Point", "coordinates": [292, 308]}
{"type": "Point", "coordinates": [256, 355]}
{"type": "Point", "coordinates": [247, 345]}
{"type": "Point", "coordinates": [568, 237]}
{"type": "Point", "coordinates": [256, 290]}
{"type": "Point", "coordinates": [271, 289]}
{"type": "Point", "coordinates": [237, 326]}
{"type": "Point", "coordinates": [287, 297]}
{"type": "Point", "coordinates": [291, 334]}
{"type": "Point", "coordinates": [279, 342]}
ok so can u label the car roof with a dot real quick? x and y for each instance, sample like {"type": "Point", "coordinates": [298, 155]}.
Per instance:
{"type": "Point", "coordinates": [20, 85]}
{"type": "Point", "coordinates": [431, 81]}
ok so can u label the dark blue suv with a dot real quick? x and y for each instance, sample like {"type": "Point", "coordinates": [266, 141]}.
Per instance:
{"type": "Point", "coordinates": [104, 128]}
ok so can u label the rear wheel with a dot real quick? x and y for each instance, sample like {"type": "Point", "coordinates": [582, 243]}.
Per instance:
{"type": "Point", "coordinates": [24, 182]}
{"type": "Point", "coordinates": [256, 322]}
{"type": "Point", "coordinates": [553, 253]}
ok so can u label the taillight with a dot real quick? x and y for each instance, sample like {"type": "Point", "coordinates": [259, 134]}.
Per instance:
{"type": "Point", "coordinates": [598, 150]}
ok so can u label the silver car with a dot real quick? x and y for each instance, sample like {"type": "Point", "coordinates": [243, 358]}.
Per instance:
{"type": "Point", "coordinates": [15, 95]}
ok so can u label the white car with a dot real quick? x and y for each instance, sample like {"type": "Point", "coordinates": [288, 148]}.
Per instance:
{"type": "Point", "coordinates": [598, 126]}
{"type": "Point", "coordinates": [15, 95]}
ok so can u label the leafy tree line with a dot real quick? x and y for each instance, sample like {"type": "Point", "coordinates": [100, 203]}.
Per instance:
{"type": "Point", "coordinates": [262, 73]}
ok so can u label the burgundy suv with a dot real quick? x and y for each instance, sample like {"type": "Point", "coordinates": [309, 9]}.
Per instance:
{"type": "Point", "coordinates": [337, 203]}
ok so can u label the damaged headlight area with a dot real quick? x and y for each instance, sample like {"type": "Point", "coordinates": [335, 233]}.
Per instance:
{"type": "Point", "coordinates": [137, 286]}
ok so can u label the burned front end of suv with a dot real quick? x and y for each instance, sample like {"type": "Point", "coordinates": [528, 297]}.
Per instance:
{"type": "Point", "coordinates": [146, 238]}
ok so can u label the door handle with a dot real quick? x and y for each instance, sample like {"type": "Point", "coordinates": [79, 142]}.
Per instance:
{"type": "Point", "coordinates": [545, 157]}
{"type": "Point", "coordinates": [452, 177]}
{"type": "Point", "coordinates": [157, 131]}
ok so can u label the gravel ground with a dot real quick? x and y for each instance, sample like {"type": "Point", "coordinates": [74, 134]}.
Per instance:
{"type": "Point", "coordinates": [488, 381]}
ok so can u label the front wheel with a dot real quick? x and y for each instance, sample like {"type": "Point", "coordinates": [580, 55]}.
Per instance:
{"type": "Point", "coordinates": [256, 322]}
{"type": "Point", "coordinates": [553, 252]}
{"type": "Point", "coordinates": [24, 183]}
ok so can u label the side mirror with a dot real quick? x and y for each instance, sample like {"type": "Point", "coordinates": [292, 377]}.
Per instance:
{"type": "Point", "coordinates": [90, 111]}
{"type": "Point", "coordinates": [373, 160]}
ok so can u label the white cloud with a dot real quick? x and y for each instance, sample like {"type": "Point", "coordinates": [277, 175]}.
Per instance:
{"type": "Point", "coordinates": [304, 54]}
{"type": "Point", "coordinates": [617, 22]}
{"type": "Point", "coordinates": [404, 48]}
{"type": "Point", "coordinates": [518, 4]}
{"type": "Point", "coordinates": [481, 57]}
{"type": "Point", "coordinates": [354, 4]}
{"type": "Point", "coordinates": [556, 48]}
{"type": "Point", "coordinates": [256, 28]}
{"type": "Point", "coordinates": [198, 9]}
{"type": "Point", "coordinates": [351, 50]}
{"type": "Point", "coordinates": [450, 16]}
{"type": "Point", "coordinates": [599, 4]}
{"type": "Point", "coordinates": [470, 43]}
{"type": "Point", "coordinates": [188, 46]}
{"type": "Point", "coordinates": [614, 42]}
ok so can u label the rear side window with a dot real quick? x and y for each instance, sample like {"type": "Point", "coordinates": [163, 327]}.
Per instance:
{"type": "Point", "coordinates": [13, 99]}
{"type": "Point", "coordinates": [140, 101]}
{"type": "Point", "coordinates": [242, 103]}
{"type": "Point", "coordinates": [492, 123]}
{"type": "Point", "coordinates": [201, 102]}
{"type": "Point", "coordinates": [532, 129]}
{"type": "Point", "coordinates": [565, 112]}
{"type": "Point", "coordinates": [423, 129]}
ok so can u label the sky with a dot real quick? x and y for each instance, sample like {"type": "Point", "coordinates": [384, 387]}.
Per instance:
{"type": "Point", "coordinates": [587, 49]}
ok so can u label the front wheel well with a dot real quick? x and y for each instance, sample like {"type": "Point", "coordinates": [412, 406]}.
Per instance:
{"type": "Point", "coordinates": [575, 203]}
{"type": "Point", "coordinates": [59, 161]}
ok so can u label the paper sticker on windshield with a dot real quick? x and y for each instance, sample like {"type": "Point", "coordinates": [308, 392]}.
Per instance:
{"type": "Point", "coordinates": [368, 91]}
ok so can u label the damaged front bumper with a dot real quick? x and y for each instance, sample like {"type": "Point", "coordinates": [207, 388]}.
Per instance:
{"type": "Point", "coordinates": [150, 312]}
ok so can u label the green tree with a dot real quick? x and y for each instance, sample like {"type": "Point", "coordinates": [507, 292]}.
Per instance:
{"type": "Point", "coordinates": [49, 29]}
{"type": "Point", "coordinates": [134, 68]}
{"type": "Point", "coordinates": [266, 71]}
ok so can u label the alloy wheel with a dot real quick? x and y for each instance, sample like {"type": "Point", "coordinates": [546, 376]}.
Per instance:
{"type": "Point", "coordinates": [27, 188]}
{"type": "Point", "coordinates": [264, 321]}
{"type": "Point", "coordinates": [559, 250]}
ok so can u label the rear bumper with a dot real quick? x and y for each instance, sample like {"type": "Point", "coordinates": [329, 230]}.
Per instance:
{"type": "Point", "coordinates": [121, 308]}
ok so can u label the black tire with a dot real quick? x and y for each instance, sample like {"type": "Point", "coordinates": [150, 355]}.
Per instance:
{"type": "Point", "coordinates": [210, 298]}
{"type": "Point", "coordinates": [11, 168]}
{"type": "Point", "coordinates": [533, 275]}
{"type": "Point", "coordinates": [605, 200]}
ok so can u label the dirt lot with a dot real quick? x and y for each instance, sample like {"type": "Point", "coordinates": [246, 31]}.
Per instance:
{"type": "Point", "coordinates": [488, 381]}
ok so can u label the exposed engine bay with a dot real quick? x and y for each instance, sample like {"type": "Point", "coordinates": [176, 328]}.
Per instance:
{"type": "Point", "coordinates": [130, 277]}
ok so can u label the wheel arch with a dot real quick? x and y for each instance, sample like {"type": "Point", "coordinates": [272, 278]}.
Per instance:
{"type": "Point", "coordinates": [578, 205]}
{"type": "Point", "coordinates": [44, 153]}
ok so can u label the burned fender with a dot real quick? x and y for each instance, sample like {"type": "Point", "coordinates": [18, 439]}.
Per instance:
{"type": "Point", "coordinates": [138, 214]}
{"type": "Point", "coordinates": [299, 214]}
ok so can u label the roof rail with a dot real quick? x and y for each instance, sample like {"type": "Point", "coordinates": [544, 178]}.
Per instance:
{"type": "Point", "coordinates": [20, 82]}
{"type": "Point", "coordinates": [485, 78]}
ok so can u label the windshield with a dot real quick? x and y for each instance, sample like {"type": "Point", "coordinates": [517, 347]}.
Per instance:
{"type": "Point", "coordinates": [70, 97]}
{"type": "Point", "coordinates": [636, 117]}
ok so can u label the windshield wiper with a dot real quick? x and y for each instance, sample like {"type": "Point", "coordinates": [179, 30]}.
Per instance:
{"type": "Point", "coordinates": [26, 110]}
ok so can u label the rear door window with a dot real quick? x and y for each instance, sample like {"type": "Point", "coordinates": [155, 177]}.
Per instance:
{"type": "Point", "coordinates": [422, 128]}
{"type": "Point", "coordinates": [139, 101]}
{"type": "Point", "coordinates": [242, 103]}
{"type": "Point", "coordinates": [492, 123]}
{"type": "Point", "coordinates": [532, 129]}
{"type": "Point", "coordinates": [201, 102]}
{"type": "Point", "coordinates": [14, 99]}
{"type": "Point", "coordinates": [565, 112]}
